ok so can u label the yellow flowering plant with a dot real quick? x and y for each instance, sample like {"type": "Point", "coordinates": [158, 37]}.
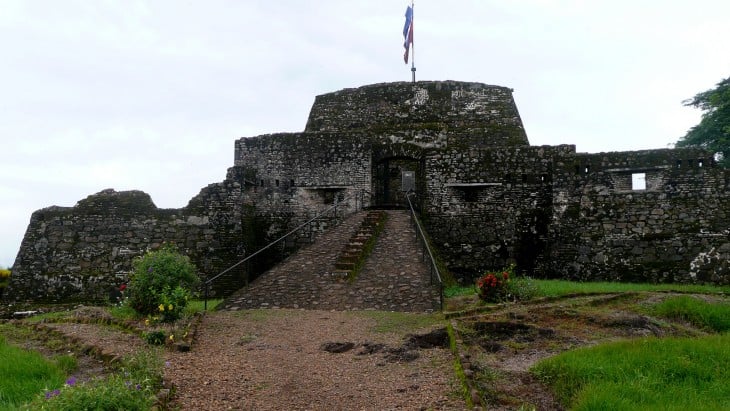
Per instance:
{"type": "Point", "coordinates": [161, 282]}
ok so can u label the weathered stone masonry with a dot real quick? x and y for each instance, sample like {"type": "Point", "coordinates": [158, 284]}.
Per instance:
{"type": "Point", "coordinates": [488, 198]}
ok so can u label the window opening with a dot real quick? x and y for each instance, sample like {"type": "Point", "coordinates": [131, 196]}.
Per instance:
{"type": "Point", "coordinates": [638, 181]}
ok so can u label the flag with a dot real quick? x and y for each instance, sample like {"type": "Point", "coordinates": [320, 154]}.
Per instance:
{"type": "Point", "coordinates": [408, 33]}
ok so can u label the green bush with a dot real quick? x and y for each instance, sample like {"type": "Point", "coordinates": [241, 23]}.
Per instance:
{"type": "Point", "coordinates": [161, 283]}
{"type": "Point", "coordinates": [155, 337]}
{"type": "Point", "coordinates": [522, 289]}
{"type": "Point", "coordinates": [4, 277]}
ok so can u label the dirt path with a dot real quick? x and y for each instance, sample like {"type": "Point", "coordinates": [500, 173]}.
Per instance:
{"type": "Point", "coordinates": [275, 360]}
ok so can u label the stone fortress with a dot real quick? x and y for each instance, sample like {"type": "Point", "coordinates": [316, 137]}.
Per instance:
{"type": "Point", "coordinates": [486, 196]}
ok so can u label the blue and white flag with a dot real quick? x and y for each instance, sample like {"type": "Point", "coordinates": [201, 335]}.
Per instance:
{"type": "Point", "coordinates": [408, 33]}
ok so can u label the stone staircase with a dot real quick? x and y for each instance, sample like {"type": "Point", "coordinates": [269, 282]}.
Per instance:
{"type": "Point", "coordinates": [357, 249]}
{"type": "Point", "coordinates": [392, 278]}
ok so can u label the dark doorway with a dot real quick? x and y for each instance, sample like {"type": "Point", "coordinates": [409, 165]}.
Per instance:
{"type": "Point", "coordinates": [392, 178]}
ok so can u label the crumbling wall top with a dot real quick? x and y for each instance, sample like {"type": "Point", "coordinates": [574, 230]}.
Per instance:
{"type": "Point", "coordinates": [460, 108]}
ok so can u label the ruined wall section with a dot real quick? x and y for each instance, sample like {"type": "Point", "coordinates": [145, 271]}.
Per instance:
{"type": "Point", "coordinates": [675, 229]}
{"type": "Point", "coordinates": [487, 208]}
{"type": "Point", "coordinates": [427, 113]}
{"type": "Point", "coordinates": [81, 253]}
{"type": "Point", "coordinates": [289, 178]}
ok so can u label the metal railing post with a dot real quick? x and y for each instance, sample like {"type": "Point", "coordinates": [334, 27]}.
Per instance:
{"type": "Point", "coordinates": [205, 298]}
{"type": "Point", "coordinates": [427, 249]}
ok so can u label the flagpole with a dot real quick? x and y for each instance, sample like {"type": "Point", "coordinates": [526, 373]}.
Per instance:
{"type": "Point", "coordinates": [413, 43]}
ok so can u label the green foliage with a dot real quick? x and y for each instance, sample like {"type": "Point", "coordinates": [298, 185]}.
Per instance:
{"type": "Point", "coordinates": [133, 388]}
{"type": "Point", "coordinates": [700, 313]}
{"type": "Point", "coordinates": [112, 394]}
{"type": "Point", "coordinates": [161, 283]}
{"type": "Point", "coordinates": [713, 132]}
{"type": "Point", "coordinates": [4, 277]}
{"type": "Point", "coordinates": [155, 337]}
{"type": "Point", "coordinates": [522, 288]}
{"type": "Point", "coordinates": [67, 363]}
{"type": "Point", "coordinates": [656, 374]}
{"type": "Point", "coordinates": [23, 374]}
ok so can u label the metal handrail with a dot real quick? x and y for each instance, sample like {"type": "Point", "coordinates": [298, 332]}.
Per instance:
{"type": "Point", "coordinates": [422, 236]}
{"type": "Point", "coordinates": [209, 281]}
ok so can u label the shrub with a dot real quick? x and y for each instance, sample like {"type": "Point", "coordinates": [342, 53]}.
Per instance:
{"type": "Point", "coordinates": [161, 283]}
{"type": "Point", "coordinates": [521, 288]}
{"type": "Point", "coordinates": [4, 277]}
{"type": "Point", "coordinates": [494, 286]}
{"type": "Point", "coordinates": [155, 337]}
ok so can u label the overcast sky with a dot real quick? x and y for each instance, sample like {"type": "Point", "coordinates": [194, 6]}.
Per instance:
{"type": "Point", "coordinates": [151, 95]}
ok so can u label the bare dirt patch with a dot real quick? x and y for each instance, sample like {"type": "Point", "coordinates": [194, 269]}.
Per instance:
{"type": "Point", "coordinates": [311, 360]}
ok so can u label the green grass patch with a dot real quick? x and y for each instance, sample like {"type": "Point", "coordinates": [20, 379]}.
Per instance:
{"type": "Point", "coordinates": [124, 312]}
{"type": "Point", "coordinates": [458, 290]}
{"type": "Point", "coordinates": [196, 306]}
{"type": "Point", "coordinates": [557, 288]}
{"type": "Point", "coordinates": [389, 322]}
{"type": "Point", "coordinates": [50, 316]}
{"type": "Point", "coordinates": [646, 374]}
{"type": "Point", "coordinates": [23, 374]}
{"type": "Point", "coordinates": [700, 313]}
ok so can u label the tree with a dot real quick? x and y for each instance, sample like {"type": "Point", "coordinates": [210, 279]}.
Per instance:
{"type": "Point", "coordinates": [713, 132]}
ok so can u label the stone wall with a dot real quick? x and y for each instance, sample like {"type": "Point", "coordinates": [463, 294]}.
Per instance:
{"type": "Point", "coordinates": [674, 230]}
{"type": "Point", "coordinates": [82, 252]}
{"type": "Point", "coordinates": [488, 208]}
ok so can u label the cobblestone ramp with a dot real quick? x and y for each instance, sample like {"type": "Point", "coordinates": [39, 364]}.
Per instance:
{"type": "Point", "coordinates": [394, 278]}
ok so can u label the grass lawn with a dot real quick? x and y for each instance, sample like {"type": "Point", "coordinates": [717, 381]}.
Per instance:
{"type": "Point", "coordinates": [25, 374]}
{"type": "Point", "coordinates": [645, 374]}
{"type": "Point", "coordinates": [650, 373]}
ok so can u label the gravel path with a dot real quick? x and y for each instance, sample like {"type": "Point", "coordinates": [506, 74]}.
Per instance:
{"type": "Point", "coordinates": [274, 360]}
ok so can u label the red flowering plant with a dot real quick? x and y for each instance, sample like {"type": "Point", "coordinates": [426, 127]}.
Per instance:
{"type": "Point", "coordinates": [120, 294]}
{"type": "Point", "coordinates": [494, 286]}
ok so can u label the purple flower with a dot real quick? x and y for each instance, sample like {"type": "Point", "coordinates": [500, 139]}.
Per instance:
{"type": "Point", "coordinates": [138, 387]}
{"type": "Point", "coordinates": [167, 363]}
{"type": "Point", "coordinates": [149, 270]}
{"type": "Point", "coordinates": [128, 383]}
{"type": "Point", "coordinates": [51, 394]}
{"type": "Point", "coordinates": [71, 381]}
